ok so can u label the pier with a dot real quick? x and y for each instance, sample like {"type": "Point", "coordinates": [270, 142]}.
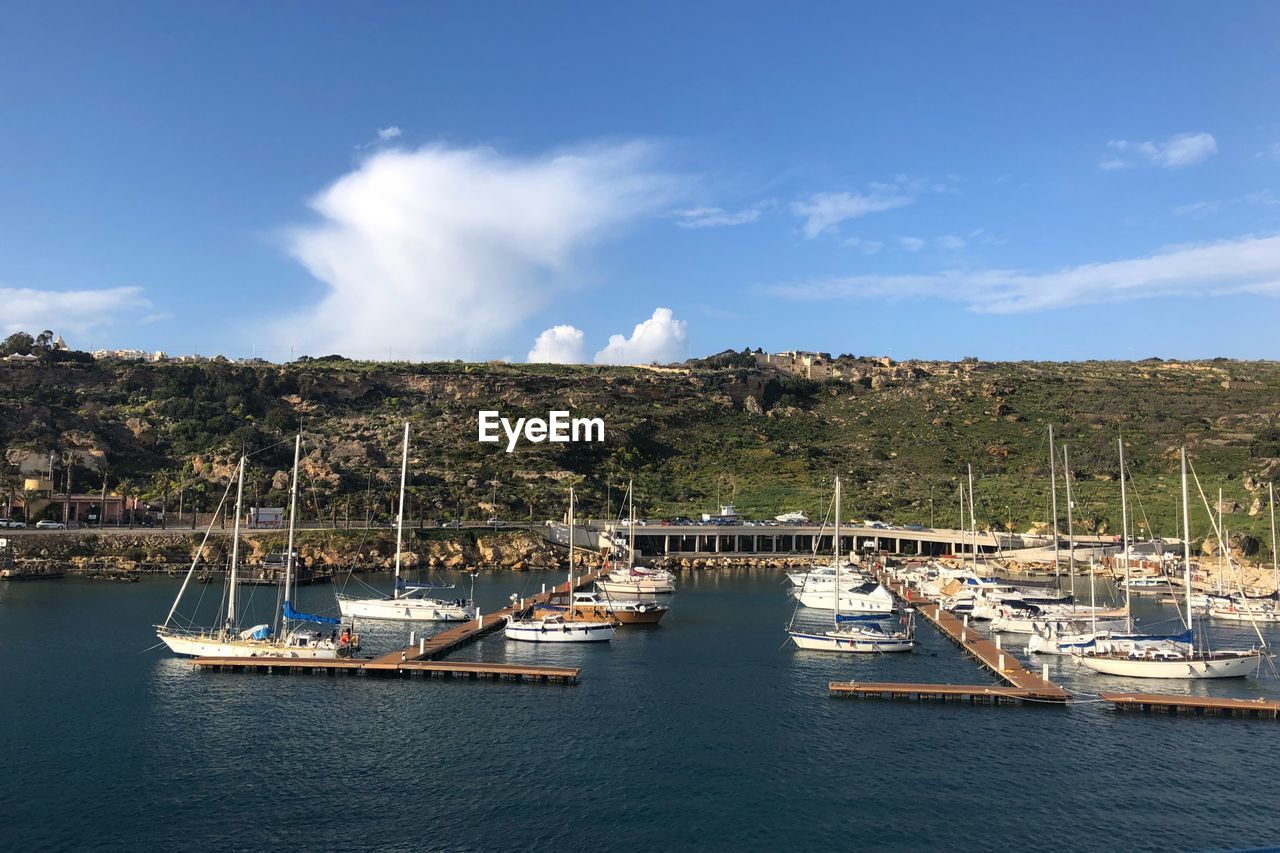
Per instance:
{"type": "Point", "coordinates": [1203, 706]}
{"type": "Point", "coordinates": [421, 657]}
{"type": "Point", "coordinates": [975, 694]}
{"type": "Point", "coordinates": [1023, 686]}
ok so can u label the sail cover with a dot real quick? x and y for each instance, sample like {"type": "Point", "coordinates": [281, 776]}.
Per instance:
{"type": "Point", "coordinates": [290, 613]}
{"type": "Point", "coordinates": [872, 617]}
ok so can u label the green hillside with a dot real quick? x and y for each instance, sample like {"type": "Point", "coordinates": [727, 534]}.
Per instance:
{"type": "Point", "coordinates": [901, 435]}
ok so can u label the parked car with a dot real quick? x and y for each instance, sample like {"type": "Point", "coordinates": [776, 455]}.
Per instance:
{"type": "Point", "coordinates": [16, 523]}
{"type": "Point", "coordinates": [46, 524]}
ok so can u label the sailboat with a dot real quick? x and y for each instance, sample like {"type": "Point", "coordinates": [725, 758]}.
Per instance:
{"type": "Point", "coordinates": [632, 581]}
{"type": "Point", "coordinates": [555, 626]}
{"type": "Point", "coordinates": [1136, 656]}
{"type": "Point", "coordinates": [407, 602]}
{"type": "Point", "coordinates": [291, 637]}
{"type": "Point", "coordinates": [853, 633]}
{"type": "Point", "coordinates": [1243, 608]}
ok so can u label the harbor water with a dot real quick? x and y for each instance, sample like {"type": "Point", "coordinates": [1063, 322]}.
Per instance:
{"type": "Point", "coordinates": [705, 732]}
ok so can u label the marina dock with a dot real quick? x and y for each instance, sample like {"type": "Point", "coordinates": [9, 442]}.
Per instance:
{"type": "Point", "coordinates": [421, 657]}
{"type": "Point", "coordinates": [976, 694]}
{"type": "Point", "coordinates": [1023, 685]}
{"type": "Point", "coordinates": [1203, 706]}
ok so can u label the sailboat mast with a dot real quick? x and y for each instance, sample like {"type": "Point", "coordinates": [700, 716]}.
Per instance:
{"type": "Point", "coordinates": [973, 521]}
{"type": "Point", "coordinates": [1222, 546]}
{"type": "Point", "coordinates": [235, 551]}
{"type": "Point", "coordinates": [1275, 566]}
{"type": "Point", "coordinates": [1071, 529]}
{"type": "Point", "coordinates": [569, 588]}
{"type": "Point", "coordinates": [1186, 540]}
{"type": "Point", "coordinates": [293, 515]}
{"type": "Point", "coordinates": [964, 533]}
{"type": "Point", "coordinates": [1124, 541]}
{"type": "Point", "coordinates": [404, 470]}
{"type": "Point", "coordinates": [1053, 507]}
{"type": "Point", "coordinates": [631, 528]}
{"type": "Point", "coordinates": [835, 615]}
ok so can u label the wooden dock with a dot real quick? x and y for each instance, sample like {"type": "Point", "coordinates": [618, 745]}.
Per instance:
{"type": "Point", "coordinates": [975, 694]}
{"type": "Point", "coordinates": [421, 658]}
{"type": "Point", "coordinates": [1203, 706]}
{"type": "Point", "coordinates": [431, 669]}
{"type": "Point", "coordinates": [1003, 663]}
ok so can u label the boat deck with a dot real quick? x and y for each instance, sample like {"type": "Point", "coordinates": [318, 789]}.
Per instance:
{"type": "Point", "coordinates": [1207, 706]}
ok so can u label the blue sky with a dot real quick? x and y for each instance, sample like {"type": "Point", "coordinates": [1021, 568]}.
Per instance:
{"type": "Point", "coordinates": [1060, 181]}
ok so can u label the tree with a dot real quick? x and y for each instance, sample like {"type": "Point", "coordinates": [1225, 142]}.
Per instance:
{"type": "Point", "coordinates": [19, 342]}
{"type": "Point", "coordinates": [44, 340]}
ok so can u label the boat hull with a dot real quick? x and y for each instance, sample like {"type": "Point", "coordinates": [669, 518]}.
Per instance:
{"type": "Point", "coordinates": [567, 632]}
{"type": "Point", "coordinates": [1193, 668]}
{"type": "Point", "coordinates": [850, 644]}
{"type": "Point", "coordinates": [198, 646]}
{"type": "Point", "coordinates": [634, 588]}
{"type": "Point", "coordinates": [878, 602]}
{"type": "Point", "coordinates": [404, 610]}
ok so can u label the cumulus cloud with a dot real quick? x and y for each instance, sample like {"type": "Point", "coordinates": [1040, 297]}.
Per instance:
{"type": "Point", "coordinates": [661, 339]}
{"type": "Point", "coordinates": [559, 345]}
{"type": "Point", "coordinates": [441, 251]}
{"type": "Point", "coordinates": [1243, 265]}
{"type": "Point", "coordinates": [79, 312]}
{"type": "Point", "coordinates": [1179, 150]}
{"type": "Point", "coordinates": [911, 244]}
{"type": "Point", "coordinates": [386, 134]}
{"type": "Point", "coordinates": [822, 212]}
{"type": "Point", "coordinates": [717, 217]}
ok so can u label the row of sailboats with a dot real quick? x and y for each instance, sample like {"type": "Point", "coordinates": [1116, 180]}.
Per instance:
{"type": "Point", "coordinates": [858, 611]}
{"type": "Point", "coordinates": [291, 635]}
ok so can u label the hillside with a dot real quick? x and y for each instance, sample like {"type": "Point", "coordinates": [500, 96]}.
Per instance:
{"type": "Point", "coordinates": [901, 435]}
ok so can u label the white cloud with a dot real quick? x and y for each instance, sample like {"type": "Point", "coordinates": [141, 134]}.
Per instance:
{"type": "Point", "coordinates": [661, 339]}
{"type": "Point", "coordinates": [867, 247]}
{"type": "Point", "coordinates": [1204, 209]}
{"type": "Point", "coordinates": [79, 312]}
{"type": "Point", "coordinates": [1243, 265]}
{"type": "Point", "coordinates": [441, 251]}
{"type": "Point", "coordinates": [1271, 152]}
{"type": "Point", "coordinates": [822, 212]}
{"type": "Point", "coordinates": [952, 243]}
{"type": "Point", "coordinates": [717, 217]}
{"type": "Point", "coordinates": [911, 244]}
{"type": "Point", "coordinates": [559, 345]}
{"type": "Point", "coordinates": [1179, 150]}
{"type": "Point", "coordinates": [386, 134]}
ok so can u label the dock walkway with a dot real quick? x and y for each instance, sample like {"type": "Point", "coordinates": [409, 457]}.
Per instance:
{"type": "Point", "coordinates": [1207, 706]}
{"type": "Point", "coordinates": [1002, 663]}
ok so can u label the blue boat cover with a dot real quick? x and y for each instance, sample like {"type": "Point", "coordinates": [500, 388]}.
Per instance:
{"type": "Point", "coordinates": [262, 633]}
{"type": "Point", "coordinates": [290, 613]}
{"type": "Point", "coordinates": [869, 617]}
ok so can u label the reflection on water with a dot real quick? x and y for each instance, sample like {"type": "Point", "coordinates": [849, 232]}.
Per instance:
{"type": "Point", "coordinates": [705, 731]}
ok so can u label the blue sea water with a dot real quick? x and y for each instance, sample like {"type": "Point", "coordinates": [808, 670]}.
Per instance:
{"type": "Point", "coordinates": [704, 733]}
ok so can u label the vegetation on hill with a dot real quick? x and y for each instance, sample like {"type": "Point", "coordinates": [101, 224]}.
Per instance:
{"type": "Point", "coordinates": [716, 430]}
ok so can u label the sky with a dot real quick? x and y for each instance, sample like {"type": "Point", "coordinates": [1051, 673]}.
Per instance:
{"type": "Point", "coordinates": [627, 183]}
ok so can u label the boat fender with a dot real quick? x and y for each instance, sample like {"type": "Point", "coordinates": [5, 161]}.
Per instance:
{"type": "Point", "coordinates": [644, 608]}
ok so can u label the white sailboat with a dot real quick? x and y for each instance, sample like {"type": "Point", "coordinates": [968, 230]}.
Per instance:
{"type": "Point", "coordinates": [1242, 608]}
{"type": "Point", "coordinates": [633, 581]}
{"type": "Point", "coordinates": [857, 633]}
{"type": "Point", "coordinates": [1136, 656]}
{"type": "Point", "coordinates": [291, 638]}
{"type": "Point", "coordinates": [407, 602]}
{"type": "Point", "coordinates": [561, 627]}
